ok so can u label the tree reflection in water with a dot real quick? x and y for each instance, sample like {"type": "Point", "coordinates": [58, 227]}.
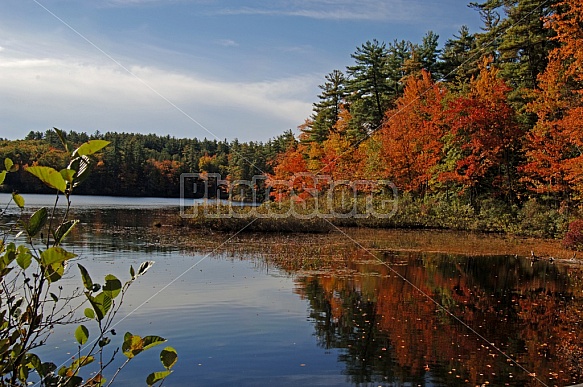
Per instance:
{"type": "Point", "coordinates": [390, 332]}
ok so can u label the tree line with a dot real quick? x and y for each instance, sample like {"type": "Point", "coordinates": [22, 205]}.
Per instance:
{"type": "Point", "coordinates": [496, 114]}
{"type": "Point", "coordinates": [142, 165]}
{"type": "Point", "coordinates": [492, 114]}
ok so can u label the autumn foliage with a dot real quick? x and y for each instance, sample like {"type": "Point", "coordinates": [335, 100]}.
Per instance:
{"type": "Point", "coordinates": [412, 132]}
{"type": "Point", "coordinates": [553, 147]}
{"type": "Point", "coordinates": [483, 134]}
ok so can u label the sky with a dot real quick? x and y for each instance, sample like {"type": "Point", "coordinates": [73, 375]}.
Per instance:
{"type": "Point", "coordinates": [216, 69]}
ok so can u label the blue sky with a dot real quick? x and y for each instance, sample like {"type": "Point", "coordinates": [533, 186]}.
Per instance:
{"type": "Point", "coordinates": [190, 68]}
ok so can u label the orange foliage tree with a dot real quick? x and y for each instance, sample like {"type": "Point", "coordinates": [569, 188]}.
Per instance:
{"type": "Point", "coordinates": [411, 135]}
{"type": "Point", "coordinates": [288, 166]}
{"type": "Point", "coordinates": [554, 146]}
{"type": "Point", "coordinates": [339, 159]}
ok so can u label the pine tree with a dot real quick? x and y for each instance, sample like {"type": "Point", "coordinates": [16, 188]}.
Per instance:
{"type": "Point", "coordinates": [525, 44]}
{"type": "Point", "coordinates": [369, 88]}
{"type": "Point", "coordinates": [326, 111]}
{"type": "Point", "coordinates": [428, 53]}
{"type": "Point", "coordinates": [457, 64]}
{"type": "Point", "coordinates": [420, 57]}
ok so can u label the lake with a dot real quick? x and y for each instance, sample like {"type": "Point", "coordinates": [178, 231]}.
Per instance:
{"type": "Point", "coordinates": [348, 308]}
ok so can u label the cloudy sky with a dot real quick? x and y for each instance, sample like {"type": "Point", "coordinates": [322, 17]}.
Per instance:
{"type": "Point", "coordinates": [190, 68]}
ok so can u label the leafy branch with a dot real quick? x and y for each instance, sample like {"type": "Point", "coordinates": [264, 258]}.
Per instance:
{"type": "Point", "coordinates": [31, 301]}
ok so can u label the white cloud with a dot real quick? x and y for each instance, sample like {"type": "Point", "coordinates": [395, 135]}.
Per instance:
{"type": "Point", "coordinates": [40, 93]}
{"type": "Point", "coordinates": [378, 10]}
{"type": "Point", "coordinates": [227, 43]}
{"type": "Point", "coordinates": [139, 2]}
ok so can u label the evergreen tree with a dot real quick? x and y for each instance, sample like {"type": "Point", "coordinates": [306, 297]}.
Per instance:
{"type": "Point", "coordinates": [399, 54]}
{"type": "Point", "coordinates": [327, 109]}
{"type": "Point", "coordinates": [457, 65]}
{"type": "Point", "coordinates": [428, 53]}
{"type": "Point", "coordinates": [525, 43]}
{"type": "Point", "coordinates": [369, 88]}
{"type": "Point", "coordinates": [487, 42]}
{"type": "Point", "coordinates": [515, 36]}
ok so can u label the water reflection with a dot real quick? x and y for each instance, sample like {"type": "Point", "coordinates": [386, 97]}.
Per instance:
{"type": "Point", "coordinates": [404, 318]}
{"type": "Point", "coordinates": [390, 331]}
{"type": "Point", "coordinates": [400, 318]}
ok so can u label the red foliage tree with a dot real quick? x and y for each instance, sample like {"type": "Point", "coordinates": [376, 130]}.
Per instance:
{"type": "Point", "coordinates": [484, 134]}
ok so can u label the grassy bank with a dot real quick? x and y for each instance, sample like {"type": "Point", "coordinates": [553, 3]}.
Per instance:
{"type": "Point", "coordinates": [533, 219]}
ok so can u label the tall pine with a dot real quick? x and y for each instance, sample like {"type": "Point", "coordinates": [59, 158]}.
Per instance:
{"type": "Point", "coordinates": [369, 88]}
{"type": "Point", "coordinates": [327, 110]}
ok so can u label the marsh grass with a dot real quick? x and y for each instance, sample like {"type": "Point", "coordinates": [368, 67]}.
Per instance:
{"type": "Point", "coordinates": [337, 250]}
{"type": "Point", "coordinates": [314, 215]}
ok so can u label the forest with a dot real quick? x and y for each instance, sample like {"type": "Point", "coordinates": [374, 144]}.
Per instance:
{"type": "Point", "coordinates": [490, 122]}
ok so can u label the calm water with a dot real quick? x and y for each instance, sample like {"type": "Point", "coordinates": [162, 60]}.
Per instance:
{"type": "Point", "coordinates": [403, 319]}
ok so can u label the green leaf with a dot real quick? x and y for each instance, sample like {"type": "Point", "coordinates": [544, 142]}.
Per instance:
{"type": "Point", "coordinates": [81, 362]}
{"type": "Point", "coordinates": [67, 174]}
{"type": "Point", "coordinates": [112, 286]}
{"type": "Point", "coordinates": [101, 304]}
{"type": "Point", "coordinates": [90, 147]}
{"type": "Point", "coordinates": [33, 361]}
{"type": "Point", "coordinates": [9, 256]}
{"type": "Point", "coordinates": [49, 176]}
{"type": "Point", "coordinates": [87, 281]}
{"type": "Point", "coordinates": [103, 342]}
{"type": "Point", "coordinates": [8, 163]}
{"type": "Point", "coordinates": [43, 369]}
{"type": "Point", "coordinates": [37, 221]}
{"type": "Point", "coordinates": [63, 371]}
{"type": "Point", "coordinates": [54, 272]}
{"type": "Point", "coordinates": [152, 341]}
{"type": "Point", "coordinates": [55, 255]}
{"type": "Point", "coordinates": [2, 177]}
{"type": "Point", "coordinates": [19, 200]}
{"type": "Point", "coordinates": [54, 297]}
{"type": "Point", "coordinates": [81, 334]}
{"type": "Point", "coordinates": [89, 313]}
{"type": "Point", "coordinates": [63, 230]}
{"type": "Point", "coordinates": [132, 272]}
{"type": "Point", "coordinates": [53, 261]}
{"type": "Point", "coordinates": [132, 345]}
{"type": "Point", "coordinates": [63, 138]}
{"type": "Point", "coordinates": [23, 374]}
{"type": "Point", "coordinates": [168, 357]}
{"type": "Point", "coordinates": [155, 377]}
{"type": "Point", "coordinates": [4, 346]}
{"type": "Point", "coordinates": [24, 257]}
